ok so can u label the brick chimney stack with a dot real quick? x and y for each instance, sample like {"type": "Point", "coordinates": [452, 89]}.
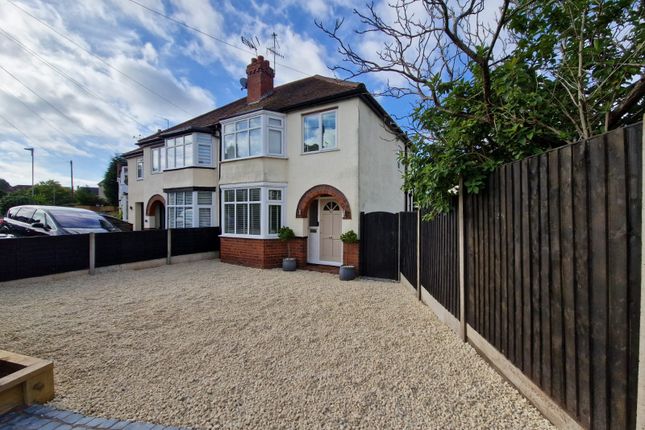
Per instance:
{"type": "Point", "coordinates": [259, 79]}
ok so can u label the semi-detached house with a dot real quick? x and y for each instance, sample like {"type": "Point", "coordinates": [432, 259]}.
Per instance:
{"type": "Point", "coordinates": [310, 154]}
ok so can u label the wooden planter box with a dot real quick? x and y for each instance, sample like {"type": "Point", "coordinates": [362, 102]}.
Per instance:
{"type": "Point", "coordinates": [24, 381]}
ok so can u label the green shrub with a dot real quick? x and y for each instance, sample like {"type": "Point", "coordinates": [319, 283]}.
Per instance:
{"type": "Point", "coordinates": [349, 237]}
{"type": "Point", "coordinates": [285, 233]}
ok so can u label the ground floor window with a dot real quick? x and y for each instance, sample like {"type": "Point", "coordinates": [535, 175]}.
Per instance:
{"type": "Point", "coordinates": [253, 211]}
{"type": "Point", "coordinates": [190, 209]}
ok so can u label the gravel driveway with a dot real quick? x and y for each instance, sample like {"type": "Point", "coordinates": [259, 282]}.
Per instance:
{"type": "Point", "coordinates": [211, 345]}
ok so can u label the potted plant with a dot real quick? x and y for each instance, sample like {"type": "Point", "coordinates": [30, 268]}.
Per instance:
{"type": "Point", "coordinates": [347, 272]}
{"type": "Point", "coordinates": [285, 234]}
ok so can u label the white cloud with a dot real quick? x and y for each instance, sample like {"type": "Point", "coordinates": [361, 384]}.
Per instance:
{"type": "Point", "coordinates": [147, 48]}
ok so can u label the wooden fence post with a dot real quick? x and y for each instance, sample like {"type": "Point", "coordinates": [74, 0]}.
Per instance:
{"type": "Point", "coordinates": [92, 253]}
{"type": "Point", "coordinates": [169, 247]}
{"type": "Point", "coordinates": [398, 252]}
{"type": "Point", "coordinates": [640, 396]}
{"type": "Point", "coordinates": [419, 254]}
{"type": "Point", "coordinates": [462, 262]}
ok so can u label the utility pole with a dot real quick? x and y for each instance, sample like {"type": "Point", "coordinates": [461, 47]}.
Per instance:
{"type": "Point", "coordinates": [31, 149]}
{"type": "Point", "coordinates": [71, 175]}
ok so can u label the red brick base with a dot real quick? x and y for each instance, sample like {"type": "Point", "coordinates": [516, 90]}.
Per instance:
{"type": "Point", "coordinates": [351, 254]}
{"type": "Point", "coordinates": [261, 253]}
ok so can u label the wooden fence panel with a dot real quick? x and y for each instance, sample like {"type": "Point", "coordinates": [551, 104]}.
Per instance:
{"type": "Point", "coordinates": [440, 260]}
{"type": "Point", "coordinates": [553, 272]}
{"type": "Point", "coordinates": [408, 254]}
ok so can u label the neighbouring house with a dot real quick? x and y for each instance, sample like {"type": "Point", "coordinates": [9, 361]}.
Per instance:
{"type": "Point", "coordinates": [122, 182]}
{"type": "Point", "coordinates": [101, 190]}
{"type": "Point", "coordinates": [310, 154]}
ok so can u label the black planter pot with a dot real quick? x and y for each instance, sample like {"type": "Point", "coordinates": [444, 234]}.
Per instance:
{"type": "Point", "coordinates": [347, 273]}
{"type": "Point", "coordinates": [289, 264]}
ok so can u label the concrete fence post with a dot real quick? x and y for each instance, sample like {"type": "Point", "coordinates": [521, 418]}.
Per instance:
{"type": "Point", "coordinates": [462, 261]}
{"type": "Point", "coordinates": [92, 253]}
{"type": "Point", "coordinates": [169, 247]}
{"type": "Point", "coordinates": [419, 254]}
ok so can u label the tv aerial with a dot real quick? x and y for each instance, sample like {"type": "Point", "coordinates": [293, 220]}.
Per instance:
{"type": "Point", "coordinates": [251, 42]}
{"type": "Point", "coordinates": [275, 49]}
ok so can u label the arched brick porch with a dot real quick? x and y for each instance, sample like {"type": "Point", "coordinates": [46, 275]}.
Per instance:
{"type": "Point", "coordinates": [322, 191]}
{"type": "Point", "coordinates": [152, 204]}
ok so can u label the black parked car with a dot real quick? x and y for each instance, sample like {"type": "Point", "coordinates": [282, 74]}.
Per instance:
{"type": "Point", "coordinates": [54, 221]}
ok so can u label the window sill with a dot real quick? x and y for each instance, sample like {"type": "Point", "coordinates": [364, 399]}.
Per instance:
{"type": "Point", "coordinates": [230, 160]}
{"type": "Point", "coordinates": [248, 236]}
{"type": "Point", "coordinates": [189, 167]}
{"type": "Point", "coordinates": [322, 151]}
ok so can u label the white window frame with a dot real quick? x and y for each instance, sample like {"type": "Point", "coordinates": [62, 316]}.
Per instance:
{"type": "Point", "coordinates": [157, 152]}
{"type": "Point", "coordinates": [140, 173]}
{"type": "Point", "coordinates": [265, 126]}
{"type": "Point", "coordinates": [319, 115]}
{"type": "Point", "coordinates": [197, 140]}
{"type": "Point", "coordinates": [194, 206]}
{"type": "Point", "coordinates": [264, 208]}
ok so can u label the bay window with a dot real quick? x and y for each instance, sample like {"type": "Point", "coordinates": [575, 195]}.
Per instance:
{"type": "Point", "coordinates": [253, 136]}
{"type": "Point", "coordinates": [319, 131]}
{"type": "Point", "coordinates": [188, 209]}
{"type": "Point", "coordinates": [253, 211]}
{"type": "Point", "coordinates": [190, 150]}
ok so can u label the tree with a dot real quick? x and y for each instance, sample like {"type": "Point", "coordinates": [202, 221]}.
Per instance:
{"type": "Point", "coordinates": [110, 185]}
{"type": "Point", "coordinates": [86, 197]}
{"type": "Point", "coordinates": [15, 199]}
{"type": "Point", "coordinates": [490, 91]}
{"type": "Point", "coordinates": [52, 193]}
{"type": "Point", "coordinates": [5, 187]}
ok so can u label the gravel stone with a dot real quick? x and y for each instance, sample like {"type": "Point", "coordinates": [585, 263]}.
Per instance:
{"type": "Point", "coordinates": [212, 345]}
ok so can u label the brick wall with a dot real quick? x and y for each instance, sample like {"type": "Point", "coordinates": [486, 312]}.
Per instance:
{"type": "Point", "coordinates": [351, 254]}
{"type": "Point", "coordinates": [261, 253]}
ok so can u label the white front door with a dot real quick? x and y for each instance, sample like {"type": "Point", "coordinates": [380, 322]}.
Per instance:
{"type": "Point", "coordinates": [331, 217]}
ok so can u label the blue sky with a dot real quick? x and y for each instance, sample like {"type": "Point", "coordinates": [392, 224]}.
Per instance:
{"type": "Point", "coordinates": [78, 108]}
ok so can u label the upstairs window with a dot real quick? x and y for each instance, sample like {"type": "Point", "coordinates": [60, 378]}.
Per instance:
{"type": "Point", "coordinates": [139, 168]}
{"type": "Point", "coordinates": [319, 131]}
{"type": "Point", "coordinates": [191, 150]}
{"type": "Point", "coordinates": [253, 136]}
{"type": "Point", "coordinates": [157, 159]}
{"type": "Point", "coordinates": [179, 152]}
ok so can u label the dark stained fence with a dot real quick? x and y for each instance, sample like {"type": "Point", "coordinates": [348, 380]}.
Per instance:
{"type": "Point", "coordinates": [379, 245]}
{"type": "Point", "coordinates": [440, 259]}
{"type": "Point", "coordinates": [408, 248]}
{"type": "Point", "coordinates": [553, 272]}
{"type": "Point", "coordinates": [38, 256]}
{"type": "Point", "coordinates": [130, 246]}
{"type": "Point", "coordinates": [193, 240]}
{"type": "Point", "coordinates": [27, 257]}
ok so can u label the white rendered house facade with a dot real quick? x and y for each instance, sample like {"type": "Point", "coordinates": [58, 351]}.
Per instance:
{"type": "Point", "coordinates": [311, 155]}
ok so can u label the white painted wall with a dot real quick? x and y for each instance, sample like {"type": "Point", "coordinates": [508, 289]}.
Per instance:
{"type": "Point", "coordinates": [338, 168]}
{"type": "Point", "coordinates": [380, 172]}
{"type": "Point", "coordinates": [256, 169]}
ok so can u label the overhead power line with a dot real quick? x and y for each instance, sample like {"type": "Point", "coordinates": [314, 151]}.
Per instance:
{"type": "Point", "coordinates": [29, 108]}
{"type": "Point", "coordinates": [99, 58]}
{"type": "Point", "coordinates": [68, 77]}
{"type": "Point", "coordinates": [29, 139]}
{"type": "Point", "coordinates": [202, 32]}
{"type": "Point", "coordinates": [38, 95]}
